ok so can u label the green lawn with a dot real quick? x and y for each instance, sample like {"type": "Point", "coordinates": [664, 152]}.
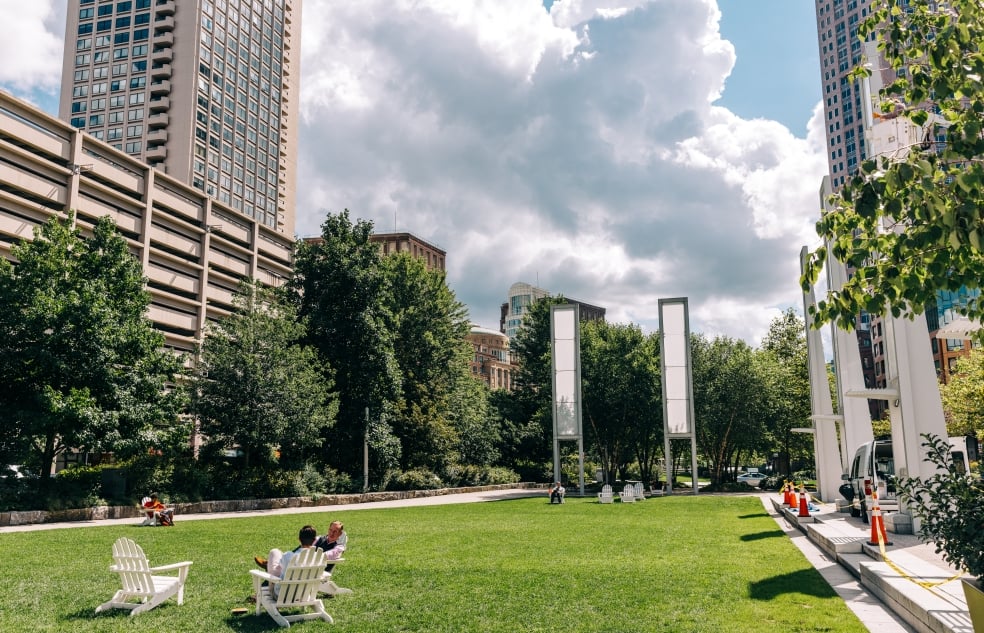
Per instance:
{"type": "Point", "coordinates": [668, 564]}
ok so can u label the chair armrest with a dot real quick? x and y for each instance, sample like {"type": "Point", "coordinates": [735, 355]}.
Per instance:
{"type": "Point", "coordinates": [260, 576]}
{"type": "Point", "coordinates": [186, 563]}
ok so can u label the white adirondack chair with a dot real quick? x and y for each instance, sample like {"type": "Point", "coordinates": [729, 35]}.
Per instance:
{"type": "Point", "coordinates": [298, 589]}
{"type": "Point", "coordinates": [329, 586]}
{"type": "Point", "coordinates": [657, 491]}
{"type": "Point", "coordinates": [640, 492]}
{"type": "Point", "coordinates": [628, 494]}
{"type": "Point", "coordinates": [141, 582]}
{"type": "Point", "coordinates": [606, 495]}
{"type": "Point", "coordinates": [151, 516]}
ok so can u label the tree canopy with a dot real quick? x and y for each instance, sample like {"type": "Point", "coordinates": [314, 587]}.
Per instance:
{"type": "Point", "coordinates": [963, 396]}
{"type": "Point", "coordinates": [731, 399]}
{"type": "Point", "coordinates": [428, 326]}
{"type": "Point", "coordinates": [622, 398]}
{"type": "Point", "coordinates": [339, 288]}
{"type": "Point", "coordinates": [82, 367]}
{"type": "Point", "coordinates": [909, 224]}
{"type": "Point", "coordinates": [257, 389]}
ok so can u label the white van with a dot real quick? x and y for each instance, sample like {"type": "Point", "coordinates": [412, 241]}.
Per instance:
{"type": "Point", "coordinates": [873, 468]}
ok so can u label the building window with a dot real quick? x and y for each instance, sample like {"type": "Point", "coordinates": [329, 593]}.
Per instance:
{"type": "Point", "coordinates": [133, 147]}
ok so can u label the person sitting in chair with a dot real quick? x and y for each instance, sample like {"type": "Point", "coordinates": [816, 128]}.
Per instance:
{"type": "Point", "coordinates": [333, 543]}
{"type": "Point", "coordinates": [157, 512]}
{"type": "Point", "coordinates": [557, 493]}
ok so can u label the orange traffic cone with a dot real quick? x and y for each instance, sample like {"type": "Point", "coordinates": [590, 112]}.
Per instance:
{"type": "Point", "coordinates": [785, 495]}
{"type": "Point", "coordinates": [878, 534]}
{"type": "Point", "coordinates": [804, 508]}
{"type": "Point", "coordinates": [793, 502]}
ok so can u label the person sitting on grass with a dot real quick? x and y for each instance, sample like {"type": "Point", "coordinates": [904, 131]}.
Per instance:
{"type": "Point", "coordinates": [557, 493]}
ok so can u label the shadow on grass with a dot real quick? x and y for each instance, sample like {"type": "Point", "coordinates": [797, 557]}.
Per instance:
{"type": "Point", "coordinates": [251, 623]}
{"type": "Point", "coordinates": [804, 581]}
{"type": "Point", "coordinates": [758, 536]}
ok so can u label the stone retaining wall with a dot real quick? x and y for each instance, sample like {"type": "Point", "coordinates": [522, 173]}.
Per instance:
{"type": "Point", "coordinates": [238, 505]}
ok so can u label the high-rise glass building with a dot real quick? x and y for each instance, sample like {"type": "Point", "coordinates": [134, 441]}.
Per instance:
{"type": "Point", "coordinates": [840, 52]}
{"type": "Point", "coordinates": [204, 90]}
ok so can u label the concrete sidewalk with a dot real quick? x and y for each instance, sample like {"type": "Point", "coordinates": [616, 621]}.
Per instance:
{"type": "Point", "coordinates": [464, 497]}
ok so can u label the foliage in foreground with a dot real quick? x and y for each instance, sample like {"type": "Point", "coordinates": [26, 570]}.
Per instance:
{"type": "Point", "coordinates": [930, 195]}
{"type": "Point", "coordinates": [678, 564]}
{"type": "Point", "coordinates": [950, 508]}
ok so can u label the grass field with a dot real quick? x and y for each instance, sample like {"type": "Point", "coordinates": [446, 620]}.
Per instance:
{"type": "Point", "coordinates": [713, 563]}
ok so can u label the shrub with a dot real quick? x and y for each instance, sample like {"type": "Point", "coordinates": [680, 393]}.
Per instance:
{"type": "Point", "coordinates": [481, 476]}
{"type": "Point", "coordinates": [76, 487]}
{"type": "Point", "coordinates": [416, 479]}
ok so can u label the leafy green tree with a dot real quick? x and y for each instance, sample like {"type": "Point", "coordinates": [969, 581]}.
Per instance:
{"type": "Point", "coordinates": [786, 372]}
{"type": "Point", "coordinates": [929, 197]}
{"type": "Point", "coordinates": [963, 396]}
{"type": "Point", "coordinates": [476, 422]}
{"type": "Point", "coordinates": [257, 388]}
{"type": "Point", "coordinates": [81, 366]}
{"type": "Point", "coordinates": [428, 326]}
{"type": "Point", "coordinates": [730, 402]}
{"type": "Point", "coordinates": [622, 402]}
{"type": "Point", "coordinates": [339, 289]}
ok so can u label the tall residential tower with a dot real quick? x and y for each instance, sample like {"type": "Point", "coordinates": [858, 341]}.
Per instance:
{"type": "Point", "coordinates": [204, 90]}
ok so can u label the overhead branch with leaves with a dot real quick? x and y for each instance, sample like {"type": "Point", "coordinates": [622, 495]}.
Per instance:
{"type": "Point", "coordinates": [910, 224]}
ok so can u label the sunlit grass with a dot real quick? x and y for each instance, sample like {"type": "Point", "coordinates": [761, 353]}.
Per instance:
{"type": "Point", "coordinates": [668, 564]}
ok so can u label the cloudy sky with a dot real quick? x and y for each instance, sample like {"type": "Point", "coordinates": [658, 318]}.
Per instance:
{"type": "Point", "coordinates": [617, 152]}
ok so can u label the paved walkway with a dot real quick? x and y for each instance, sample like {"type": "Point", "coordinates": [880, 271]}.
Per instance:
{"type": "Point", "coordinates": [464, 497]}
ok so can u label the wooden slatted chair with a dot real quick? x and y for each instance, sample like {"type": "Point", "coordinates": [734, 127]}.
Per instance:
{"type": "Point", "coordinates": [640, 492]}
{"type": "Point", "coordinates": [141, 582]}
{"type": "Point", "coordinates": [298, 589]}
{"type": "Point", "coordinates": [606, 495]}
{"type": "Point", "coordinates": [628, 494]}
